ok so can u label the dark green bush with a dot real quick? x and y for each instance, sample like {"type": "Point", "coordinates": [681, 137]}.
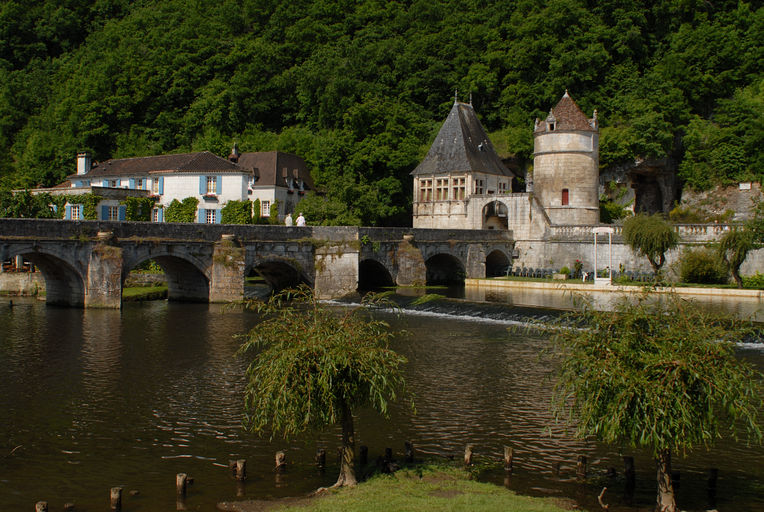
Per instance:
{"type": "Point", "coordinates": [702, 266]}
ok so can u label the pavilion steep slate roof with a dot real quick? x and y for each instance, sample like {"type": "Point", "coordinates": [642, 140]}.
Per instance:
{"type": "Point", "coordinates": [203, 161]}
{"type": "Point", "coordinates": [462, 146]}
{"type": "Point", "coordinates": [567, 116]}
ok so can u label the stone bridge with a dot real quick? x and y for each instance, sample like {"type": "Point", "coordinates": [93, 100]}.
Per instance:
{"type": "Point", "coordinates": [85, 263]}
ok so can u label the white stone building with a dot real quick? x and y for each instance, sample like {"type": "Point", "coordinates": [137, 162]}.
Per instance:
{"type": "Point", "coordinates": [267, 176]}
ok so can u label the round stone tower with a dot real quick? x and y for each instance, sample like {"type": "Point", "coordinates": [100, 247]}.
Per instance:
{"type": "Point", "coordinates": [566, 164]}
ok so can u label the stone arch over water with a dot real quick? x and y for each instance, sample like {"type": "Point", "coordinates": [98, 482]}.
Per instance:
{"type": "Point", "coordinates": [186, 281]}
{"type": "Point", "coordinates": [372, 275]}
{"type": "Point", "coordinates": [277, 273]}
{"type": "Point", "coordinates": [445, 269]}
{"type": "Point", "coordinates": [64, 282]}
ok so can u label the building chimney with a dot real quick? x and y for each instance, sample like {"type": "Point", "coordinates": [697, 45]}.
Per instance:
{"type": "Point", "coordinates": [83, 163]}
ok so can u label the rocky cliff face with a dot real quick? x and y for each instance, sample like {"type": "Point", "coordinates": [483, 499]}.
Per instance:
{"type": "Point", "coordinates": [651, 184]}
{"type": "Point", "coordinates": [734, 203]}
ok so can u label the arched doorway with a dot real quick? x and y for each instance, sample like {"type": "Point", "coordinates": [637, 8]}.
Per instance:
{"type": "Point", "coordinates": [495, 216]}
{"type": "Point", "coordinates": [496, 264]}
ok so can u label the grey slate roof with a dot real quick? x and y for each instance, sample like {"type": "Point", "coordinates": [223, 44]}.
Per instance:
{"type": "Point", "coordinates": [462, 146]}
{"type": "Point", "coordinates": [203, 161]}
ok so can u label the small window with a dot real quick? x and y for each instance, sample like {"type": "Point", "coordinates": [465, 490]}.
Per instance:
{"type": "Point", "coordinates": [211, 184]}
{"type": "Point", "coordinates": [441, 189]}
{"type": "Point", "coordinates": [155, 186]}
{"type": "Point", "coordinates": [210, 216]}
{"type": "Point", "coordinates": [551, 127]}
{"type": "Point", "coordinates": [565, 197]}
{"type": "Point", "coordinates": [113, 212]}
{"type": "Point", "coordinates": [75, 212]}
{"type": "Point", "coordinates": [139, 184]}
{"type": "Point", "coordinates": [478, 187]}
{"type": "Point", "coordinates": [425, 190]}
{"type": "Point", "coordinates": [265, 208]}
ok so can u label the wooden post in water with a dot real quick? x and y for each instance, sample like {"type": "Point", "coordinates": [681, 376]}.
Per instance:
{"type": "Point", "coordinates": [181, 484]}
{"type": "Point", "coordinates": [581, 467]}
{"type": "Point", "coordinates": [240, 470]}
{"type": "Point", "coordinates": [321, 458]}
{"type": "Point", "coordinates": [408, 448]}
{"type": "Point", "coordinates": [508, 455]}
{"type": "Point", "coordinates": [41, 506]}
{"type": "Point", "coordinates": [115, 497]}
{"type": "Point", "coordinates": [280, 460]}
{"type": "Point", "coordinates": [468, 454]}
{"type": "Point", "coordinates": [364, 458]}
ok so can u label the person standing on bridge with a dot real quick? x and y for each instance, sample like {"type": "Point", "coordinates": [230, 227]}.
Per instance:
{"type": "Point", "coordinates": [288, 219]}
{"type": "Point", "coordinates": [300, 220]}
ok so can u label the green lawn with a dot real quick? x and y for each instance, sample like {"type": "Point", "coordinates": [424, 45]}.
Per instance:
{"type": "Point", "coordinates": [430, 488]}
{"type": "Point", "coordinates": [144, 293]}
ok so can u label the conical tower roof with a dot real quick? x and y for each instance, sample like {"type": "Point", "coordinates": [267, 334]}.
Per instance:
{"type": "Point", "coordinates": [568, 116]}
{"type": "Point", "coordinates": [462, 146]}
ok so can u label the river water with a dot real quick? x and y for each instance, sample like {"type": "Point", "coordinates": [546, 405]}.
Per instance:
{"type": "Point", "coordinates": [93, 399]}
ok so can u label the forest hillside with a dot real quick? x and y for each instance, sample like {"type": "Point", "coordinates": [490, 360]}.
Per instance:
{"type": "Point", "coordinates": [359, 88]}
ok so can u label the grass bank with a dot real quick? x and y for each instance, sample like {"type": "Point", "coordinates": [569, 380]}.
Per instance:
{"type": "Point", "coordinates": [412, 490]}
{"type": "Point", "coordinates": [139, 293]}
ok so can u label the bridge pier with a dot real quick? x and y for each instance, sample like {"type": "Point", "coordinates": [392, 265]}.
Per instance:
{"type": "Point", "coordinates": [227, 270]}
{"type": "Point", "coordinates": [336, 269]}
{"type": "Point", "coordinates": [409, 261]}
{"type": "Point", "coordinates": [104, 277]}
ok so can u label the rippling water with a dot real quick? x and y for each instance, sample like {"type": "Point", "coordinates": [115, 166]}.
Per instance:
{"type": "Point", "coordinates": [94, 399]}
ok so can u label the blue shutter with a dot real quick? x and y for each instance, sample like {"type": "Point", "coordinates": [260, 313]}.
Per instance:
{"type": "Point", "coordinates": [122, 212]}
{"type": "Point", "coordinates": [105, 183]}
{"type": "Point", "coordinates": [218, 217]}
{"type": "Point", "coordinates": [160, 214]}
{"type": "Point", "coordinates": [104, 213]}
{"type": "Point", "coordinates": [202, 215]}
{"type": "Point", "coordinates": [202, 184]}
{"type": "Point", "coordinates": [132, 183]}
{"type": "Point", "coordinates": [68, 212]}
{"type": "Point", "coordinates": [161, 186]}
{"type": "Point", "coordinates": [218, 184]}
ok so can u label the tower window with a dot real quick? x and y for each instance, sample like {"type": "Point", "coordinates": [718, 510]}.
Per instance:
{"type": "Point", "coordinates": [551, 127]}
{"type": "Point", "coordinates": [565, 197]}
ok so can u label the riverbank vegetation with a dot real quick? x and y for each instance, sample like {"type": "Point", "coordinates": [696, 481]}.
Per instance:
{"type": "Point", "coordinates": [412, 490]}
{"type": "Point", "coordinates": [660, 375]}
{"type": "Point", "coordinates": [359, 88]}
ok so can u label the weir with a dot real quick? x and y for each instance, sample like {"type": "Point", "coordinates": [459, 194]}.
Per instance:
{"type": "Point", "coordinates": [85, 263]}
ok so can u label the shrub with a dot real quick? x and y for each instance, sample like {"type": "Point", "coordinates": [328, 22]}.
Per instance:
{"type": "Point", "coordinates": [755, 281]}
{"type": "Point", "coordinates": [564, 270]}
{"type": "Point", "coordinates": [702, 266]}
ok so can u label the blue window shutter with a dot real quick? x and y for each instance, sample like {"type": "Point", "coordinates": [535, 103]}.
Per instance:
{"type": "Point", "coordinates": [218, 184]}
{"type": "Point", "coordinates": [122, 212]}
{"type": "Point", "coordinates": [202, 215]}
{"type": "Point", "coordinates": [218, 217]}
{"type": "Point", "coordinates": [105, 183]}
{"type": "Point", "coordinates": [132, 183]}
{"type": "Point", "coordinates": [161, 186]}
{"type": "Point", "coordinates": [160, 214]}
{"type": "Point", "coordinates": [68, 212]}
{"type": "Point", "coordinates": [202, 184]}
{"type": "Point", "coordinates": [104, 213]}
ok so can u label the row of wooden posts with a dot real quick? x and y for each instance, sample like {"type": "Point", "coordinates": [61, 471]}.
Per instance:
{"type": "Point", "coordinates": [238, 470]}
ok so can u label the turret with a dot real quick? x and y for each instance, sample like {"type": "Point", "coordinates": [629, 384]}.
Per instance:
{"type": "Point", "coordinates": [566, 164]}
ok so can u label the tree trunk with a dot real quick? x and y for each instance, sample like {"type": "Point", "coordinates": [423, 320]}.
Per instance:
{"type": "Point", "coordinates": [347, 465]}
{"type": "Point", "coordinates": [666, 502]}
{"type": "Point", "coordinates": [736, 276]}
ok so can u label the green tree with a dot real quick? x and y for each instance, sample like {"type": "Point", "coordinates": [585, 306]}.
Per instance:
{"type": "Point", "coordinates": [184, 211]}
{"type": "Point", "coordinates": [139, 208]}
{"type": "Point", "coordinates": [237, 212]}
{"type": "Point", "coordinates": [650, 236]}
{"type": "Point", "coordinates": [733, 248]}
{"type": "Point", "coordinates": [660, 375]}
{"type": "Point", "coordinates": [312, 367]}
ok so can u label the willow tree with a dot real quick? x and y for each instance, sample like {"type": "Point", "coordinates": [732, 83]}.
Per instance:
{"type": "Point", "coordinates": [652, 237]}
{"type": "Point", "coordinates": [733, 249]}
{"type": "Point", "coordinates": [660, 375]}
{"type": "Point", "coordinates": [312, 367]}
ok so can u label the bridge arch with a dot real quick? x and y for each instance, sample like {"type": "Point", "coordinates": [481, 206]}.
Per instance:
{"type": "Point", "coordinates": [496, 263]}
{"type": "Point", "coordinates": [186, 281]}
{"type": "Point", "coordinates": [495, 215]}
{"type": "Point", "coordinates": [64, 283]}
{"type": "Point", "coordinates": [373, 275]}
{"type": "Point", "coordinates": [444, 268]}
{"type": "Point", "coordinates": [278, 274]}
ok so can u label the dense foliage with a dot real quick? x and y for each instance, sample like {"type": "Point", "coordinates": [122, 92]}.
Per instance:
{"type": "Point", "coordinates": [652, 237]}
{"type": "Point", "coordinates": [312, 367]}
{"type": "Point", "coordinates": [702, 266]}
{"type": "Point", "coordinates": [237, 212]}
{"type": "Point", "coordinates": [659, 374]}
{"type": "Point", "coordinates": [733, 248]}
{"type": "Point", "coordinates": [181, 211]}
{"type": "Point", "coordinates": [359, 88]}
{"type": "Point", "coordinates": [139, 208]}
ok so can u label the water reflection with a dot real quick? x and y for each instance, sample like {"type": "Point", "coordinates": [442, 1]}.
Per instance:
{"type": "Point", "coordinates": [96, 399]}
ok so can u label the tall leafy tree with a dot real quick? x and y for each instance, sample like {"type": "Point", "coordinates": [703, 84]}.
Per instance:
{"type": "Point", "coordinates": [312, 367]}
{"type": "Point", "coordinates": [660, 375]}
{"type": "Point", "coordinates": [733, 248]}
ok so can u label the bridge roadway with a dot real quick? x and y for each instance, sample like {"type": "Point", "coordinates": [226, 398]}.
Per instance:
{"type": "Point", "coordinates": [85, 263]}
